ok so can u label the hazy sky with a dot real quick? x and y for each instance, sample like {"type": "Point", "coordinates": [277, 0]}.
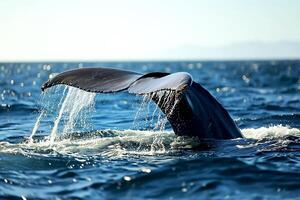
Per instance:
{"type": "Point", "coordinates": [138, 29]}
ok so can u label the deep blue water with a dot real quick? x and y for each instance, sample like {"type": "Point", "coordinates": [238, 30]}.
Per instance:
{"type": "Point", "coordinates": [116, 147]}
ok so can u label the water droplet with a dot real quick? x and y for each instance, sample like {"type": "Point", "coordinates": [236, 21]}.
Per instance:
{"type": "Point", "coordinates": [88, 179]}
{"type": "Point", "coordinates": [127, 178]}
{"type": "Point", "coordinates": [184, 189]}
{"type": "Point", "coordinates": [146, 170]}
{"type": "Point", "coordinates": [190, 66]}
{"type": "Point", "coordinates": [47, 67]}
{"type": "Point", "coordinates": [199, 65]}
{"type": "Point", "coordinates": [246, 79]}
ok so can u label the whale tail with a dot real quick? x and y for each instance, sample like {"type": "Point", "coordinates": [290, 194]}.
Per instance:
{"type": "Point", "coordinates": [190, 109]}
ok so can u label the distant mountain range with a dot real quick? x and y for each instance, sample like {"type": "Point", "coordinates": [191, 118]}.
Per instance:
{"type": "Point", "coordinates": [247, 50]}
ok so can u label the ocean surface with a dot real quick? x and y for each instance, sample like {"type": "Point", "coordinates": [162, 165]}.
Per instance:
{"type": "Point", "coordinates": [65, 143]}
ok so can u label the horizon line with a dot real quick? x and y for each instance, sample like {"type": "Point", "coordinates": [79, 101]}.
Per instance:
{"type": "Point", "coordinates": [149, 60]}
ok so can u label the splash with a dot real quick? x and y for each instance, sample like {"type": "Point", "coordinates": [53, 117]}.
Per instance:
{"type": "Point", "coordinates": [82, 100]}
{"type": "Point", "coordinates": [271, 132]}
{"type": "Point", "coordinates": [167, 100]}
{"type": "Point", "coordinates": [56, 122]}
{"type": "Point", "coordinates": [111, 143]}
{"type": "Point", "coordinates": [119, 143]}
{"type": "Point", "coordinates": [36, 126]}
{"type": "Point", "coordinates": [146, 101]}
{"type": "Point", "coordinates": [72, 109]}
{"type": "Point", "coordinates": [156, 121]}
{"type": "Point", "coordinates": [75, 101]}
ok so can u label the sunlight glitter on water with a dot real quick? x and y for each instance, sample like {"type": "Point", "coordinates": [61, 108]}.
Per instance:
{"type": "Point", "coordinates": [92, 162]}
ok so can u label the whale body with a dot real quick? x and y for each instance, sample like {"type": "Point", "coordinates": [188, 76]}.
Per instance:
{"type": "Point", "coordinates": [190, 108]}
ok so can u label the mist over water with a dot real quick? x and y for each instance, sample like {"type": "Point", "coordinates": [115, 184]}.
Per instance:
{"type": "Point", "coordinates": [67, 143]}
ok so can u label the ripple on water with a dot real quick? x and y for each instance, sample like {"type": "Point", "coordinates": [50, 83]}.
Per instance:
{"type": "Point", "coordinates": [83, 163]}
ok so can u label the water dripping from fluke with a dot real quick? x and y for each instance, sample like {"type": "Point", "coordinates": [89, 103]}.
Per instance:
{"type": "Point", "coordinates": [75, 101]}
{"type": "Point", "coordinates": [70, 107]}
{"type": "Point", "coordinates": [58, 118]}
{"type": "Point", "coordinates": [157, 120]}
{"type": "Point", "coordinates": [36, 126]}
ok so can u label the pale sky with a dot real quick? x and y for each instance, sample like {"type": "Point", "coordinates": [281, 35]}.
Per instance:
{"type": "Point", "coordinates": [36, 30]}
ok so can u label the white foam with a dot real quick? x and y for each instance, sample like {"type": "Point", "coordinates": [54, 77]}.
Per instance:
{"type": "Point", "coordinates": [272, 132]}
{"type": "Point", "coordinates": [118, 143]}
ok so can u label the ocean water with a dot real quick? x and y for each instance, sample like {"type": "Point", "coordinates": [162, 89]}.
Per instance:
{"type": "Point", "coordinates": [70, 144]}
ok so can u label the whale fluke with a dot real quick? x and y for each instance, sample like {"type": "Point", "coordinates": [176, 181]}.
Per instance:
{"type": "Point", "coordinates": [192, 110]}
{"type": "Point", "coordinates": [154, 82]}
{"type": "Point", "coordinates": [99, 80]}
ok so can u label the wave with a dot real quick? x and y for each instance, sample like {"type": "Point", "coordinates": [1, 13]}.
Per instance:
{"type": "Point", "coordinates": [18, 107]}
{"type": "Point", "coordinates": [105, 142]}
{"type": "Point", "coordinates": [272, 132]}
{"type": "Point", "coordinates": [116, 143]}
